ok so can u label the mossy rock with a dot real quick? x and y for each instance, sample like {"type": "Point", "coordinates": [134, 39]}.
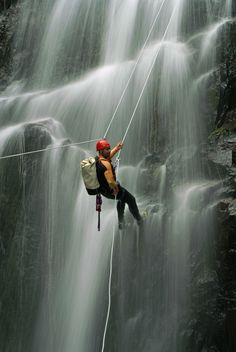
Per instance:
{"type": "Point", "coordinates": [217, 133]}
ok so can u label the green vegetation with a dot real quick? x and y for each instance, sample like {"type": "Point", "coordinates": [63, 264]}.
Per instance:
{"type": "Point", "coordinates": [217, 133]}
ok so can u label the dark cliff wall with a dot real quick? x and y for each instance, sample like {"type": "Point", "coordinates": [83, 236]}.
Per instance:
{"type": "Point", "coordinates": [23, 259]}
{"type": "Point", "coordinates": [224, 154]}
{"type": "Point", "coordinates": [5, 4]}
{"type": "Point", "coordinates": [9, 11]}
{"type": "Point", "coordinates": [227, 98]}
{"type": "Point", "coordinates": [18, 57]}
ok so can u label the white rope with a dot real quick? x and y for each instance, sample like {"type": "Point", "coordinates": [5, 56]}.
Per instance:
{"type": "Point", "coordinates": [146, 81]}
{"type": "Point", "coordinates": [134, 68]}
{"type": "Point", "coordinates": [109, 291]}
{"type": "Point", "coordinates": [46, 149]}
{"type": "Point", "coordinates": [117, 163]}
{"type": "Point", "coordinates": [84, 142]}
{"type": "Point", "coordinates": [117, 107]}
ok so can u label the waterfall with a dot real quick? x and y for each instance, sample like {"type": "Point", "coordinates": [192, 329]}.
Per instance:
{"type": "Point", "coordinates": [78, 58]}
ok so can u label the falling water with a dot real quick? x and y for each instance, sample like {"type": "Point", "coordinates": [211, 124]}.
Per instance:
{"type": "Point", "coordinates": [82, 56]}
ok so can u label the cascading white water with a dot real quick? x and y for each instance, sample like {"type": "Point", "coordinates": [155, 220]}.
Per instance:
{"type": "Point", "coordinates": [82, 61]}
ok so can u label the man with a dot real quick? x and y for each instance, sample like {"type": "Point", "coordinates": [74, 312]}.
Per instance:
{"type": "Point", "coordinates": [109, 187]}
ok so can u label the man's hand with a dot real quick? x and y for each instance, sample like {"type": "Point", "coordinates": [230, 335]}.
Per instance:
{"type": "Point", "coordinates": [116, 149]}
{"type": "Point", "coordinates": [119, 145]}
{"type": "Point", "coordinates": [115, 190]}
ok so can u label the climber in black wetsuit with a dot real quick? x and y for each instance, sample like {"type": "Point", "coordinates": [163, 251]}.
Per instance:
{"type": "Point", "coordinates": [109, 187]}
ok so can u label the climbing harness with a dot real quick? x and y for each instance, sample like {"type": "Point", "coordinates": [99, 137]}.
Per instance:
{"type": "Point", "coordinates": [99, 208]}
{"type": "Point", "coordinates": [117, 161]}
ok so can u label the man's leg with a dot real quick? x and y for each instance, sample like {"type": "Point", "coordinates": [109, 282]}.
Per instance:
{"type": "Point", "coordinates": [125, 197]}
{"type": "Point", "coordinates": [120, 205]}
{"type": "Point", "coordinates": [120, 210]}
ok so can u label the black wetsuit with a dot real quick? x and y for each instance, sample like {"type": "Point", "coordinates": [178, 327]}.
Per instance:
{"type": "Point", "coordinates": [123, 196]}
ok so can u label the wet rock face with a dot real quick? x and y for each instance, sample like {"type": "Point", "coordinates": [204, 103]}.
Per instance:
{"type": "Point", "coordinates": [22, 229]}
{"type": "Point", "coordinates": [5, 4]}
{"type": "Point", "coordinates": [17, 61]}
{"type": "Point", "coordinates": [198, 11]}
{"type": "Point", "coordinates": [220, 158]}
{"type": "Point", "coordinates": [212, 322]}
{"type": "Point", "coordinates": [9, 10]}
{"type": "Point", "coordinates": [223, 157]}
{"type": "Point", "coordinates": [226, 112]}
{"type": "Point", "coordinates": [226, 257]}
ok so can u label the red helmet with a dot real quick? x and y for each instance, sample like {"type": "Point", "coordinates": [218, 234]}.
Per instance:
{"type": "Point", "coordinates": [102, 144]}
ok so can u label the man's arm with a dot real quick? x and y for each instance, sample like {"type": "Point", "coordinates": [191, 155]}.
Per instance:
{"type": "Point", "coordinates": [115, 150]}
{"type": "Point", "coordinates": [109, 177]}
